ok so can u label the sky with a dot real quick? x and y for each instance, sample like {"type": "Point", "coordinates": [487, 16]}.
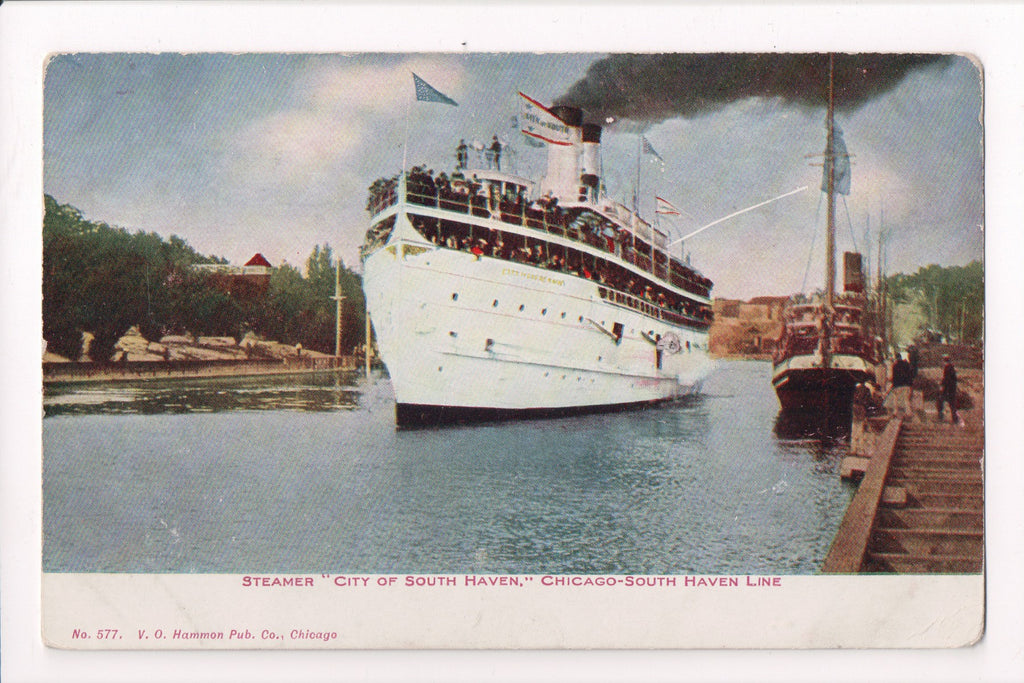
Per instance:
{"type": "Point", "coordinates": [273, 153]}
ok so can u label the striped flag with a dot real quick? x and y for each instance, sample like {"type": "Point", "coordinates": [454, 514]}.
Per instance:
{"type": "Point", "coordinates": [428, 93]}
{"type": "Point", "coordinates": [665, 208]}
{"type": "Point", "coordinates": [649, 149]}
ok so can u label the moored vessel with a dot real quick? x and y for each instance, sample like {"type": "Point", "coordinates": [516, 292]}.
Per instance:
{"type": "Point", "coordinates": [828, 343]}
{"type": "Point", "coordinates": [494, 295]}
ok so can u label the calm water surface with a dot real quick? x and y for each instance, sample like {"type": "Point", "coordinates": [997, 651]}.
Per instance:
{"type": "Point", "coordinates": [308, 474]}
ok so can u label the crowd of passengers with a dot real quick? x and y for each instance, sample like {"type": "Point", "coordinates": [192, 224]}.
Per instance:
{"type": "Point", "coordinates": [614, 278]}
{"type": "Point", "coordinates": [458, 191]}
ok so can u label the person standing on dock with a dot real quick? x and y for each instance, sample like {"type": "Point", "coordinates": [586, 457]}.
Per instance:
{"type": "Point", "coordinates": [902, 379]}
{"type": "Point", "coordinates": [947, 390]}
{"type": "Point", "coordinates": [914, 358]}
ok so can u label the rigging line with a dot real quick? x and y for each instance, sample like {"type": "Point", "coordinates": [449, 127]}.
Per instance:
{"type": "Point", "coordinates": [741, 211]}
{"type": "Point", "coordinates": [810, 252]}
{"type": "Point", "coordinates": [850, 223]}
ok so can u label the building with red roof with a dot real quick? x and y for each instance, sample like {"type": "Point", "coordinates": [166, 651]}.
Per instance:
{"type": "Point", "coordinates": [240, 282]}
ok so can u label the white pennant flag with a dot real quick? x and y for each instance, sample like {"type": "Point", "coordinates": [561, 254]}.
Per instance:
{"type": "Point", "coordinates": [538, 123]}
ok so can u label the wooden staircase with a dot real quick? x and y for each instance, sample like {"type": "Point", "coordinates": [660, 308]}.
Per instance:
{"type": "Point", "coordinates": [931, 519]}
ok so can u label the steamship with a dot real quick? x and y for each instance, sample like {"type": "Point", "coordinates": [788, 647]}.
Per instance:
{"type": "Point", "coordinates": [496, 296]}
{"type": "Point", "coordinates": [829, 342]}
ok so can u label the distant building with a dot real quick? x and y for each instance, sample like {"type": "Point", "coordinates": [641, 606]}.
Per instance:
{"type": "Point", "coordinates": [241, 282]}
{"type": "Point", "coordinates": [746, 328]}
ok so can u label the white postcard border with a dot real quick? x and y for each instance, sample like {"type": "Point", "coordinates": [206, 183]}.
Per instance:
{"type": "Point", "coordinates": [29, 31]}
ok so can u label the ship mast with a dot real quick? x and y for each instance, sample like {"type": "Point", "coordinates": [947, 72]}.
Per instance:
{"type": "Point", "coordinates": [830, 234]}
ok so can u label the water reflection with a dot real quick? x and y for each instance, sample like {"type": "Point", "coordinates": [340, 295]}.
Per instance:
{"type": "Point", "coordinates": [311, 392]}
{"type": "Point", "coordinates": [823, 426]}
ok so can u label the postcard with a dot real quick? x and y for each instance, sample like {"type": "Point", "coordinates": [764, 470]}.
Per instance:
{"type": "Point", "coordinates": [374, 345]}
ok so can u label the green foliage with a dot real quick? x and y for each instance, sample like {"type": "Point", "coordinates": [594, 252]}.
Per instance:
{"type": "Point", "coordinates": [302, 309]}
{"type": "Point", "coordinates": [104, 279]}
{"type": "Point", "coordinates": [952, 298]}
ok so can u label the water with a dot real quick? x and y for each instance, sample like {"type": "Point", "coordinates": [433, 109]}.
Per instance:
{"type": "Point", "coordinates": [308, 474]}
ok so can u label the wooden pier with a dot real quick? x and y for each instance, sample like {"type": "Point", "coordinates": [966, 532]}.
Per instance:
{"type": "Point", "coordinates": [920, 505]}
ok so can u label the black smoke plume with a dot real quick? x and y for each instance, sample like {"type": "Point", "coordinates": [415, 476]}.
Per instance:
{"type": "Point", "coordinates": [650, 88]}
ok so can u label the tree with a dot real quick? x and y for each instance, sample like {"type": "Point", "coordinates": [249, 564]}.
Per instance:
{"type": "Point", "coordinates": [104, 280]}
{"type": "Point", "coordinates": [952, 298]}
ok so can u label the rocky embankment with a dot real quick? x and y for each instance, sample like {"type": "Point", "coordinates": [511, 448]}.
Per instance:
{"type": "Point", "coordinates": [137, 358]}
{"type": "Point", "coordinates": [133, 347]}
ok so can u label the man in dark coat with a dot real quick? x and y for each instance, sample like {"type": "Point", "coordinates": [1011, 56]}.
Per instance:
{"type": "Point", "coordinates": [947, 389]}
{"type": "Point", "coordinates": [914, 358]}
{"type": "Point", "coordinates": [902, 379]}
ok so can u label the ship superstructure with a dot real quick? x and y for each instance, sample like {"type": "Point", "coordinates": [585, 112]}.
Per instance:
{"type": "Point", "coordinates": [494, 296]}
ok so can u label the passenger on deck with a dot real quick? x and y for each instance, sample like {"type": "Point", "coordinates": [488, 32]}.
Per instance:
{"type": "Point", "coordinates": [496, 152]}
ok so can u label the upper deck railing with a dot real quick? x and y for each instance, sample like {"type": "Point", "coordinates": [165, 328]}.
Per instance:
{"type": "Point", "coordinates": [579, 224]}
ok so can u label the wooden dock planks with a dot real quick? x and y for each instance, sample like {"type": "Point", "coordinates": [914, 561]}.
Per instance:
{"type": "Point", "coordinates": [938, 527]}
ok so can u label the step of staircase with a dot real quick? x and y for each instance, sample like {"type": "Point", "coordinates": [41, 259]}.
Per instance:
{"type": "Point", "coordinates": [902, 563]}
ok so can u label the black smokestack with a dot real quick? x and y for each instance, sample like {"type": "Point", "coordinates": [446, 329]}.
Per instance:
{"type": "Point", "coordinates": [652, 88]}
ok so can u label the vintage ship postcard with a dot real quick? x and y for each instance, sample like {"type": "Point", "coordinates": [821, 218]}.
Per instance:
{"type": "Point", "coordinates": [388, 346]}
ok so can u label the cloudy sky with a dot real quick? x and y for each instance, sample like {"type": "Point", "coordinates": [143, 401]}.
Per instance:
{"type": "Point", "coordinates": [239, 153]}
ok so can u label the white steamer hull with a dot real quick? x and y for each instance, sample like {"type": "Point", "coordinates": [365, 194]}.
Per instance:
{"type": "Point", "coordinates": [468, 337]}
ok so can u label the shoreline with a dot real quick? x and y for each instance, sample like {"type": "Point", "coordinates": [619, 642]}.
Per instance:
{"type": "Point", "coordinates": [136, 371]}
